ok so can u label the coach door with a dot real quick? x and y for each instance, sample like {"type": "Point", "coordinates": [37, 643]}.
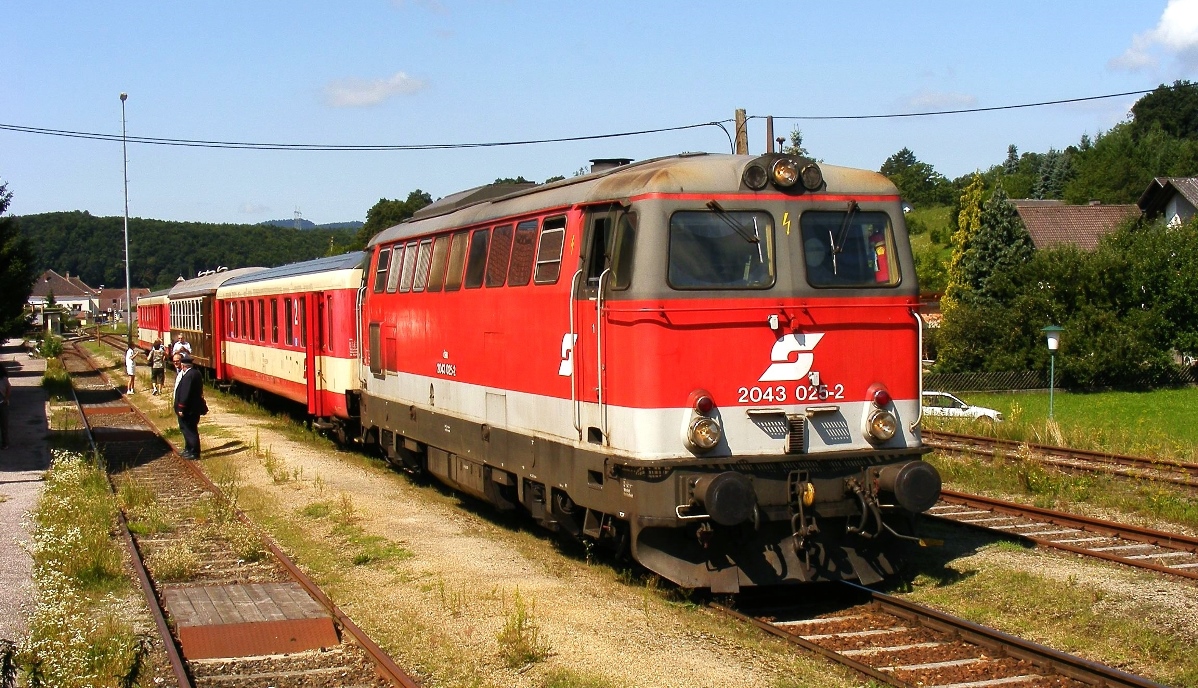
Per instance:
{"type": "Point", "coordinates": [311, 329]}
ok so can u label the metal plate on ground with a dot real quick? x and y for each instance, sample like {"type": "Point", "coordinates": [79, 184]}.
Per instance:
{"type": "Point", "coordinates": [247, 619]}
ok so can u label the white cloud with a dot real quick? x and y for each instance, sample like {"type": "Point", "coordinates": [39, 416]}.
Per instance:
{"type": "Point", "coordinates": [1176, 34]}
{"type": "Point", "coordinates": [355, 92]}
{"type": "Point", "coordinates": [248, 208]}
{"type": "Point", "coordinates": [927, 100]}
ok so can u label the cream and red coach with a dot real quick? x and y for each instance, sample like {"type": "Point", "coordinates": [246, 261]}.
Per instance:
{"type": "Point", "coordinates": [153, 319]}
{"type": "Point", "coordinates": [290, 331]}
{"type": "Point", "coordinates": [711, 360]}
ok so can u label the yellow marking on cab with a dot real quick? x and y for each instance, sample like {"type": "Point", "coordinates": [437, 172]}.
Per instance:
{"type": "Point", "coordinates": [786, 222]}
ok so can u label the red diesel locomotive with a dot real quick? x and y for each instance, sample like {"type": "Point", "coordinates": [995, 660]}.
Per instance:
{"type": "Point", "coordinates": [709, 361]}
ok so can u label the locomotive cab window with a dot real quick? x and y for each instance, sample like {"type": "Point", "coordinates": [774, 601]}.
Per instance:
{"type": "Point", "coordinates": [849, 248]}
{"type": "Point", "coordinates": [721, 249]}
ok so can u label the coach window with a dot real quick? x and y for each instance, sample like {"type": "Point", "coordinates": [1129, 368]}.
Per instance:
{"type": "Point", "coordinates": [721, 249]}
{"type": "Point", "coordinates": [232, 333]}
{"type": "Point", "coordinates": [328, 323]}
{"type": "Point", "coordinates": [501, 251]}
{"type": "Point", "coordinates": [457, 259]}
{"type": "Point", "coordinates": [849, 249]}
{"type": "Point", "coordinates": [549, 252]}
{"type": "Point", "coordinates": [288, 325]}
{"type": "Point", "coordinates": [274, 321]}
{"type": "Point", "coordinates": [523, 249]}
{"type": "Point", "coordinates": [301, 317]}
{"type": "Point", "coordinates": [409, 266]}
{"type": "Point", "coordinates": [421, 278]}
{"type": "Point", "coordinates": [396, 268]}
{"type": "Point", "coordinates": [476, 262]}
{"type": "Point", "coordinates": [243, 330]}
{"type": "Point", "coordinates": [436, 272]}
{"type": "Point", "coordinates": [380, 269]}
{"type": "Point", "coordinates": [249, 321]}
{"type": "Point", "coordinates": [261, 321]}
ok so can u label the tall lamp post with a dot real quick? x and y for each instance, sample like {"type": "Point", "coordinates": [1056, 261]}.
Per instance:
{"type": "Point", "coordinates": [125, 168]}
{"type": "Point", "coordinates": [1053, 332]}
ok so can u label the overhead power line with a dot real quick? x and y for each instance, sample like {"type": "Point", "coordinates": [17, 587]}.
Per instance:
{"type": "Point", "coordinates": [244, 145]}
{"type": "Point", "coordinates": [962, 111]}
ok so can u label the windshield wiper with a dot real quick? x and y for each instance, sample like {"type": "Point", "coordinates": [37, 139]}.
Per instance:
{"type": "Point", "coordinates": [838, 245]}
{"type": "Point", "coordinates": [723, 215]}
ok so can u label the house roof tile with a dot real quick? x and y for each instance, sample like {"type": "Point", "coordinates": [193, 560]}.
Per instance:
{"type": "Point", "coordinates": [1053, 225]}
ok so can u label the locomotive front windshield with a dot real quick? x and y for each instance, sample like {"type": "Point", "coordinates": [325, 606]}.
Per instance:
{"type": "Point", "coordinates": [721, 249]}
{"type": "Point", "coordinates": [849, 249]}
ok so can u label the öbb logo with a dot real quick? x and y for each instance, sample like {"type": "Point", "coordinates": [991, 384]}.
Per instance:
{"type": "Point", "coordinates": [782, 367]}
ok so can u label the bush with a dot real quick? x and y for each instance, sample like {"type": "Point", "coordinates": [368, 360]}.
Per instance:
{"type": "Point", "coordinates": [49, 347]}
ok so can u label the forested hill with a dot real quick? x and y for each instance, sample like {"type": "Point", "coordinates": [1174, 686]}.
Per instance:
{"type": "Point", "coordinates": [161, 251]}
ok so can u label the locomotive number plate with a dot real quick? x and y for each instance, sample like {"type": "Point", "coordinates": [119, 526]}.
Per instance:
{"type": "Point", "coordinates": [780, 394]}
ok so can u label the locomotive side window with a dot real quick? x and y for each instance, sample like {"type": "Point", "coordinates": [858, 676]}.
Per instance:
{"type": "Point", "coordinates": [396, 267]}
{"type": "Point", "coordinates": [436, 273]}
{"type": "Point", "coordinates": [457, 259]}
{"type": "Point", "coordinates": [523, 248]}
{"type": "Point", "coordinates": [380, 269]}
{"type": "Point", "coordinates": [721, 249]}
{"type": "Point", "coordinates": [426, 248]}
{"type": "Point", "coordinates": [476, 262]}
{"type": "Point", "coordinates": [849, 249]}
{"type": "Point", "coordinates": [549, 252]}
{"type": "Point", "coordinates": [409, 267]}
{"type": "Point", "coordinates": [274, 321]}
{"type": "Point", "coordinates": [376, 353]}
{"type": "Point", "coordinates": [501, 251]}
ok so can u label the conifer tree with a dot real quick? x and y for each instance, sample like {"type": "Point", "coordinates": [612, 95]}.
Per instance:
{"type": "Point", "coordinates": [1011, 166]}
{"type": "Point", "coordinates": [968, 223]}
{"type": "Point", "coordinates": [1001, 244]}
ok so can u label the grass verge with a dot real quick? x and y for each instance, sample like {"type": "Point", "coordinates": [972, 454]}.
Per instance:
{"type": "Point", "coordinates": [78, 635]}
{"type": "Point", "coordinates": [1075, 617]}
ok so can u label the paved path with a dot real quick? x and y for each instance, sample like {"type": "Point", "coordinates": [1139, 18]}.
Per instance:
{"type": "Point", "coordinates": [21, 467]}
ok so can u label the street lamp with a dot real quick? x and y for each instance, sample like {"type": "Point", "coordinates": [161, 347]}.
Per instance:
{"type": "Point", "coordinates": [125, 167]}
{"type": "Point", "coordinates": [1053, 332]}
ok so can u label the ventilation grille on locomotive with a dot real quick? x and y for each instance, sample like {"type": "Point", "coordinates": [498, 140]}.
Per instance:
{"type": "Point", "coordinates": [796, 438]}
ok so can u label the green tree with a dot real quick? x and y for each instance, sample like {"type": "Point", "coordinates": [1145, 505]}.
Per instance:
{"type": "Point", "coordinates": [388, 213]}
{"type": "Point", "coordinates": [795, 145]}
{"type": "Point", "coordinates": [1011, 166]}
{"type": "Point", "coordinates": [17, 269]}
{"type": "Point", "coordinates": [917, 182]}
{"type": "Point", "coordinates": [1000, 246]}
{"type": "Point", "coordinates": [1174, 109]}
{"type": "Point", "coordinates": [968, 223]}
{"type": "Point", "coordinates": [513, 180]}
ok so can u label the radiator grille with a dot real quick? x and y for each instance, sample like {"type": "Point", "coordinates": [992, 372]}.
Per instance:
{"type": "Point", "coordinates": [795, 439]}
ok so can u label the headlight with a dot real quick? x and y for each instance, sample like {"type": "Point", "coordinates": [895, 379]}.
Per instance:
{"type": "Point", "coordinates": [705, 433]}
{"type": "Point", "coordinates": [882, 425]}
{"type": "Point", "coordinates": [755, 176]}
{"type": "Point", "coordinates": [813, 177]}
{"type": "Point", "coordinates": [785, 172]}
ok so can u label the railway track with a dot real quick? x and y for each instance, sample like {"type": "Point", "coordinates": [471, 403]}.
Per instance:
{"type": "Point", "coordinates": [900, 643]}
{"type": "Point", "coordinates": [244, 614]}
{"type": "Point", "coordinates": [1182, 473]}
{"type": "Point", "coordinates": [1170, 553]}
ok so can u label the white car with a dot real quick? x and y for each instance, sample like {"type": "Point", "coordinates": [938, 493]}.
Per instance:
{"type": "Point", "coordinates": [946, 405]}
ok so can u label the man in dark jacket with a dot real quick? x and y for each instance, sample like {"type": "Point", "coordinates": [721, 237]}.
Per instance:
{"type": "Point", "coordinates": [190, 405]}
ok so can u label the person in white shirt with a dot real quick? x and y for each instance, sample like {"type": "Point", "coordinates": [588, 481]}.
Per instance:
{"type": "Point", "coordinates": [130, 367]}
{"type": "Point", "coordinates": [180, 346]}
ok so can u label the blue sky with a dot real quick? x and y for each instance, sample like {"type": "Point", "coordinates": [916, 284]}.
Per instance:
{"type": "Point", "coordinates": [441, 71]}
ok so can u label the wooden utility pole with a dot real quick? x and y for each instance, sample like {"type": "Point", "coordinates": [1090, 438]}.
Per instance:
{"type": "Point", "coordinates": [742, 133]}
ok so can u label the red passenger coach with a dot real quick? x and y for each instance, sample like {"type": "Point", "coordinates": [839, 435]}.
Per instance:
{"type": "Point", "coordinates": [290, 331]}
{"type": "Point", "coordinates": [711, 361]}
{"type": "Point", "coordinates": [153, 319]}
